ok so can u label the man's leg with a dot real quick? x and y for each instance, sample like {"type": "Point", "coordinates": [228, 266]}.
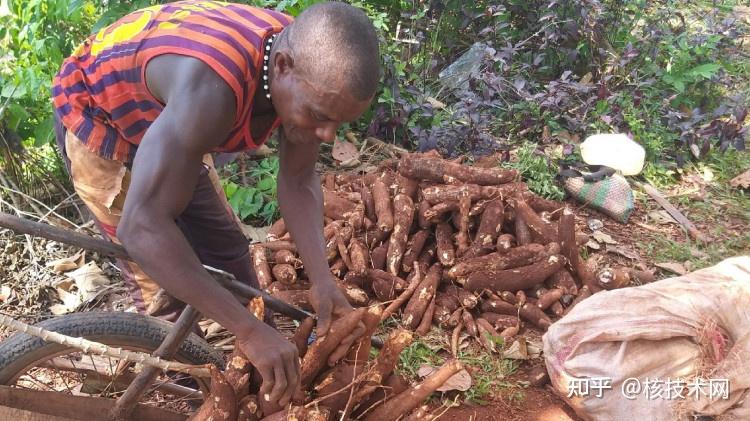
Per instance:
{"type": "Point", "coordinates": [102, 185]}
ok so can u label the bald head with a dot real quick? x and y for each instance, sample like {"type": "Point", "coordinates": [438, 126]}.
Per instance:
{"type": "Point", "coordinates": [335, 42]}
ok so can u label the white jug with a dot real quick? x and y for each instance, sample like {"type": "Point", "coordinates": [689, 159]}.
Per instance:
{"type": "Point", "coordinates": [616, 151]}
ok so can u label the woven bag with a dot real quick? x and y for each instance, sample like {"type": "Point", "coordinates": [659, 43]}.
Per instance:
{"type": "Point", "coordinates": [601, 189]}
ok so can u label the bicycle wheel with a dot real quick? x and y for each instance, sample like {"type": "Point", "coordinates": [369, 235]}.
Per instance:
{"type": "Point", "coordinates": [30, 362]}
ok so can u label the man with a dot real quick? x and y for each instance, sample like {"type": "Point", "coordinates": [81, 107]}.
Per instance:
{"type": "Point", "coordinates": [142, 105]}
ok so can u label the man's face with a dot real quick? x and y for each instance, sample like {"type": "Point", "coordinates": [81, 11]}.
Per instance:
{"type": "Point", "coordinates": [313, 112]}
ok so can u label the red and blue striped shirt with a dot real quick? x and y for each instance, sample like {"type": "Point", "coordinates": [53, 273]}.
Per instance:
{"type": "Point", "coordinates": [100, 93]}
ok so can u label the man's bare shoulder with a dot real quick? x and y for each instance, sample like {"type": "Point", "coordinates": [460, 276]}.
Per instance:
{"type": "Point", "coordinates": [199, 103]}
{"type": "Point", "coordinates": [169, 75]}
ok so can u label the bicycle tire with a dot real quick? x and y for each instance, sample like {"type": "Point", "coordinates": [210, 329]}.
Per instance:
{"type": "Point", "coordinates": [20, 351]}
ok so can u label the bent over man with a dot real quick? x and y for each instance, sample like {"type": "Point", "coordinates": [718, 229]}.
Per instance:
{"type": "Point", "coordinates": [142, 105]}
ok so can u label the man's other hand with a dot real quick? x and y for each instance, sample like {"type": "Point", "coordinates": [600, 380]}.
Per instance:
{"type": "Point", "coordinates": [277, 362]}
{"type": "Point", "coordinates": [330, 304]}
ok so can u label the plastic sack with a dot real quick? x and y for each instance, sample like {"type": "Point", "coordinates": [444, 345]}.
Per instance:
{"type": "Point", "coordinates": [691, 333]}
{"type": "Point", "coordinates": [459, 72]}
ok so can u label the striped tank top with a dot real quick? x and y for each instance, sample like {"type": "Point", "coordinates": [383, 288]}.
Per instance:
{"type": "Point", "coordinates": [100, 93]}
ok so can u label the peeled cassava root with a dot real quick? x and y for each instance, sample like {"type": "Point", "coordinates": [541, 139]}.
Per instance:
{"type": "Point", "coordinates": [413, 397]}
{"type": "Point", "coordinates": [354, 384]}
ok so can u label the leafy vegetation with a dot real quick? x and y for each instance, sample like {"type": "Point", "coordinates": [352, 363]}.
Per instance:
{"type": "Point", "coordinates": [538, 170]}
{"type": "Point", "coordinates": [255, 198]}
{"type": "Point", "coordinates": [538, 71]}
{"type": "Point", "coordinates": [558, 71]}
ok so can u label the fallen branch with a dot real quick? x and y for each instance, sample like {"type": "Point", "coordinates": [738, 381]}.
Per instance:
{"type": "Point", "coordinates": [100, 349]}
{"type": "Point", "coordinates": [674, 212]}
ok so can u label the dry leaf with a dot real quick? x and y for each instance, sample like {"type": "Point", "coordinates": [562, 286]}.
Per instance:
{"type": "Point", "coordinates": [65, 284]}
{"type": "Point", "coordinates": [67, 263]}
{"type": "Point", "coordinates": [262, 150]}
{"type": "Point", "coordinates": [661, 217]}
{"type": "Point", "coordinates": [460, 381]}
{"type": "Point", "coordinates": [742, 180]}
{"type": "Point", "coordinates": [89, 279]}
{"type": "Point", "coordinates": [593, 245]}
{"type": "Point", "coordinates": [255, 234]}
{"type": "Point", "coordinates": [603, 238]}
{"type": "Point", "coordinates": [517, 350]}
{"type": "Point", "coordinates": [425, 370]}
{"type": "Point", "coordinates": [622, 251]}
{"type": "Point", "coordinates": [673, 267]}
{"type": "Point", "coordinates": [344, 151]}
{"type": "Point", "coordinates": [438, 105]}
{"type": "Point", "coordinates": [586, 79]}
{"type": "Point", "coordinates": [58, 309]}
{"type": "Point", "coordinates": [534, 348]}
{"type": "Point", "coordinates": [523, 349]}
{"type": "Point", "coordinates": [70, 302]}
{"type": "Point", "coordinates": [351, 163]}
{"type": "Point", "coordinates": [6, 293]}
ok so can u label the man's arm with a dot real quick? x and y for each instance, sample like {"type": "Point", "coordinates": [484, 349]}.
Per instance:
{"type": "Point", "coordinates": [198, 116]}
{"type": "Point", "coordinates": [301, 205]}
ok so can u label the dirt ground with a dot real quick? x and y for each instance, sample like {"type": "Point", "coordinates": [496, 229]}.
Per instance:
{"type": "Point", "coordinates": [524, 404]}
{"type": "Point", "coordinates": [537, 404]}
{"type": "Point", "coordinates": [28, 291]}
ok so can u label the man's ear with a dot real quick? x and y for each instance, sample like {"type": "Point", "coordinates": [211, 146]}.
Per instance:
{"type": "Point", "coordinates": [283, 62]}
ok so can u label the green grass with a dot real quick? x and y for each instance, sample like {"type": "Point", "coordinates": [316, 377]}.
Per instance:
{"type": "Point", "coordinates": [489, 375]}
{"type": "Point", "coordinates": [662, 249]}
{"type": "Point", "coordinates": [489, 372]}
{"type": "Point", "coordinates": [720, 206]}
{"type": "Point", "coordinates": [417, 354]}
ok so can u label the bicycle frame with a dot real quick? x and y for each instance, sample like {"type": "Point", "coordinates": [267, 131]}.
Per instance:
{"type": "Point", "coordinates": [127, 403]}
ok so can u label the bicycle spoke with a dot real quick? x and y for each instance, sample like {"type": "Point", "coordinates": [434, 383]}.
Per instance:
{"type": "Point", "coordinates": [112, 374]}
{"type": "Point", "coordinates": [187, 398]}
{"type": "Point", "coordinates": [93, 363]}
{"type": "Point", "coordinates": [65, 382]}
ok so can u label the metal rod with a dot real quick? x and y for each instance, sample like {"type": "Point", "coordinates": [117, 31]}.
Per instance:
{"type": "Point", "coordinates": [51, 232]}
{"type": "Point", "coordinates": [126, 403]}
{"type": "Point", "coordinates": [63, 235]}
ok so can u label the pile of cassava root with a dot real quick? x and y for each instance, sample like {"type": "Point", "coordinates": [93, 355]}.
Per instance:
{"type": "Point", "coordinates": [333, 387]}
{"type": "Point", "coordinates": [445, 244]}
{"type": "Point", "coordinates": [431, 242]}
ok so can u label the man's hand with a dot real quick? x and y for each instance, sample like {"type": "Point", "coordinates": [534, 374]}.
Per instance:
{"type": "Point", "coordinates": [330, 304]}
{"type": "Point", "coordinates": [301, 204]}
{"type": "Point", "coordinates": [276, 360]}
